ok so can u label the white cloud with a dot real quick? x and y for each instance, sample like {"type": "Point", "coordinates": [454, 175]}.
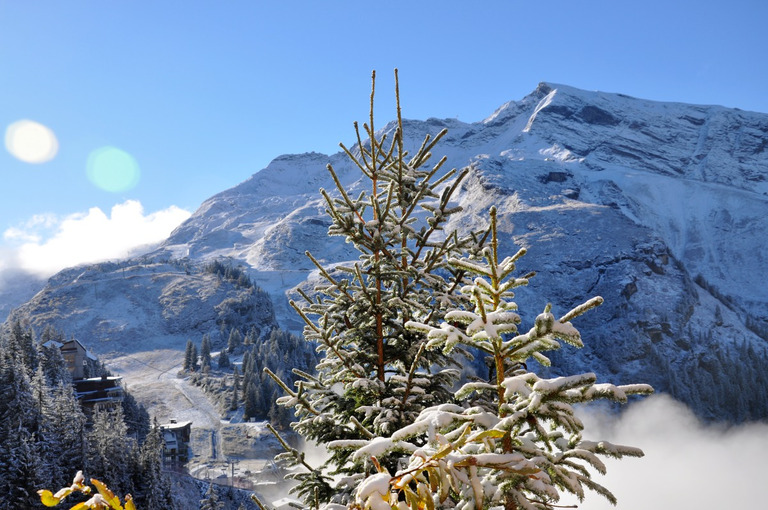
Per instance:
{"type": "Point", "coordinates": [45, 244]}
{"type": "Point", "coordinates": [687, 464]}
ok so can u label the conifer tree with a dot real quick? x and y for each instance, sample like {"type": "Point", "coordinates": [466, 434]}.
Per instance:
{"type": "Point", "coordinates": [511, 442]}
{"type": "Point", "coordinates": [250, 337]}
{"type": "Point", "coordinates": [189, 357]}
{"type": "Point", "coordinates": [250, 398]}
{"type": "Point", "coordinates": [19, 424]}
{"type": "Point", "coordinates": [64, 430]}
{"type": "Point", "coordinates": [205, 354]}
{"type": "Point", "coordinates": [194, 359]}
{"type": "Point", "coordinates": [110, 453]}
{"type": "Point", "coordinates": [365, 385]}
{"type": "Point", "coordinates": [211, 500]}
{"type": "Point", "coordinates": [391, 326]}
{"type": "Point", "coordinates": [21, 343]}
{"type": "Point", "coordinates": [234, 341]}
{"type": "Point", "coordinates": [235, 397]}
{"type": "Point", "coordinates": [53, 364]}
{"type": "Point", "coordinates": [153, 487]}
{"type": "Point", "coordinates": [45, 443]}
{"type": "Point", "coordinates": [135, 416]}
{"type": "Point", "coordinates": [223, 360]}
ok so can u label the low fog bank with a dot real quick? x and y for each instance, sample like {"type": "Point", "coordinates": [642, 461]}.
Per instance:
{"type": "Point", "coordinates": [687, 464]}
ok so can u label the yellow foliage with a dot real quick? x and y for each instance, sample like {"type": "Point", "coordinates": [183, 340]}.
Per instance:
{"type": "Point", "coordinates": [104, 500]}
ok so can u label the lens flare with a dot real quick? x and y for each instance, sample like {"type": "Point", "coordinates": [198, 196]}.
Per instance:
{"type": "Point", "coordinates": [31, 142]}
{"type": "Point", "coordinates": [112, 169]}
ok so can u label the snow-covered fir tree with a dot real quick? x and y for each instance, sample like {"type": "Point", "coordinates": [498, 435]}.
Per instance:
{"type": "Point", "coordinates": [19, 427]}
{"type": "Point", "coordinates": [190, 357]}
{"type": "Point", "coordinates": [153, 487]}
{"type": "Point", "coordinates": [366, 384]}
{"type": "Point", "coordinates": [234, 341]}
{"type": "Point", "coordinates": [223, 361]}
{"type": "Point", "coordinates": [512, 441]}
{"type": "Point", "coordinates": [205, 354]}
{"type": "Point", "coordinates": [211, 500]}
{"type": "Point", "coordinates": [392, 326]}
{"type": "Point", "coordinates": [110, 451]}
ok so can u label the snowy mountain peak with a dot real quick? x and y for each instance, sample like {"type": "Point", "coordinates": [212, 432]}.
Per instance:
{"type": "Point", "coordinates": [658, 207]}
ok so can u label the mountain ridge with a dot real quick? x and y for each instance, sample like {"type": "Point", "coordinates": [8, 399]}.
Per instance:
{"type": "Point", "coordinates": [659, 207]}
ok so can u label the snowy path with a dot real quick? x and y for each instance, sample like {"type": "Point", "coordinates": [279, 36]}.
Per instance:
{"type": "Point", "coordinates": [151, 377]}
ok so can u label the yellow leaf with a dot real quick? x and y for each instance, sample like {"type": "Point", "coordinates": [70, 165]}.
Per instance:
{"type": "Point", "coordinates": [47, 498]}
{"type": "Point", "coordinates": [496, 434]}
{"type": "Point", "coordinates": [411, 498]}
{"type": "Point", "coordinates": [425, 497]}
{"type": "Point", "coordinates": [443, 451]}
{"type": "Point", "coordinates": [107, 494]}
{"type": "Point", "coordinates": [129, 503]}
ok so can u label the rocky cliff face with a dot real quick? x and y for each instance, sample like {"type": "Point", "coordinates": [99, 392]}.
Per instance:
{"type": "Point", "coordinates": [659, 207]}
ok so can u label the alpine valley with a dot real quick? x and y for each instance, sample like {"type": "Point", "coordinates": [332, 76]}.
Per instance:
{"type": "Point", "coordinates": [660, 208]}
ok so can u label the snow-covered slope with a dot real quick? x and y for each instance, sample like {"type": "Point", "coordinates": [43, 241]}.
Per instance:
{"type": "Point", "coordinates": [139, 305]}
{"type": "Point", "coordinates": [659, 207]}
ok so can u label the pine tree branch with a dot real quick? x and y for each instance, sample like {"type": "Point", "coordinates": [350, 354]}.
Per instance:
{"type": "Point", "coordinates": [307, 405]}
{"type": "Point", "coordinates": [582, 308]}
{"type": "Point", "coordinates": [361, 166]}
{"type": "Point", "coordinates": [325, 341]}
{"type": "Point", "coordinates": [345, 196]}
{"type": "Point", "coordinates": [328, 277]}
{"type": "Point", "coordinates": [296, 454]}
{"type": "Point", "coordinates": [411, 372]}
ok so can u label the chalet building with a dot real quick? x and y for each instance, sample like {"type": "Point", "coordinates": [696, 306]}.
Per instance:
{"type": "Point", "coordinates": [76, 356]}
{"type": "Point", "coordinates": [98, 391]}
{"type": "Point", "coordinates": [176, 436]}
{"type": "Point", "coordinates": [102, 391]}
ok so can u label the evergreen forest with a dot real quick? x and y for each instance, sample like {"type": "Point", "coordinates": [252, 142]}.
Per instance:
{"type": "Point", "coordinates": [46, 438]}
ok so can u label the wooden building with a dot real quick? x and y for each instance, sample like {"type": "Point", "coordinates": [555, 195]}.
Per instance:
{"type": "Point", "coordinates": [105, 392]}
{"type": "Point", "coordinates": [90, 391]}
{"type": "Point", "coordinates": [176, 436]}
{"type": "Point", "coordinates": [77, 357]}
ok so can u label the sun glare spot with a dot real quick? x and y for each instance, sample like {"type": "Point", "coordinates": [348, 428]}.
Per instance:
{"type": "Point", "coordinates": [31, 142]}
{"type": "Point", "coordinates": [112, 169]}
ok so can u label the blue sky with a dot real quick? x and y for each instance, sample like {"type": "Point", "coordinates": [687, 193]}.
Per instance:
{"type": "Point", "coordinates": [194, 96]}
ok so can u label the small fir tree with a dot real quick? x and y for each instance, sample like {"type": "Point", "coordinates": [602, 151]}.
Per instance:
{"type": "Point", "coordinates": [235, 340]}
{"type": "Point", "coordinates": [251, 408]}
{"type": "Point", "coordinates": [189, 357]}
{"type": "Point", "coordinates": [390, 328]}
{"type": "Point", "coordinates": [223, 360]}
{"type": "Point", "coordinates": [153, 486]}
{"type": "Point", "coordinates": [205, 354]}
{"type": "Point", "coordinates": [211, 500]}
{"type": "Point", "coordinates": [234, 400]}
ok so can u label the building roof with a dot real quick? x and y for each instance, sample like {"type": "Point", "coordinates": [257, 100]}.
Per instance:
{"type": "Point", "coordinates": [59, 345]}
{"type": "Point", "coordinates": [174, 425]}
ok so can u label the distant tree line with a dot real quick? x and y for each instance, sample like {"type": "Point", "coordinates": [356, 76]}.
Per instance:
{"type": "Point", "coordinates": [236, 377]}
{"type": "Point", "coordinates": [227, 271]}
{"type": "Point", "coordinates": [45, 437]}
